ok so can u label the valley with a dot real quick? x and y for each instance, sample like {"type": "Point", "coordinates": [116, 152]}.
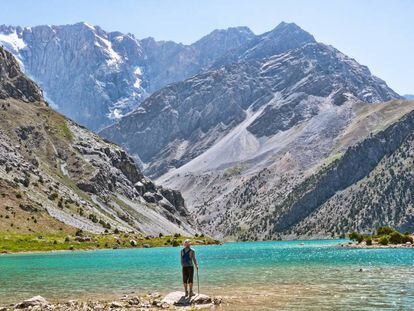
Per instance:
{"type": "Point", "coordinates": [256, 137]}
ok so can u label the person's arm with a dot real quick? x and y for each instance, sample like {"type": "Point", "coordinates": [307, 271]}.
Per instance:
{"type": "Point", "coordinates": [194, 259]}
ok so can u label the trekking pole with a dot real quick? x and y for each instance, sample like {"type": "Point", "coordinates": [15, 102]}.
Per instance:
{"type": "Point", "coordinates": [198, 282]}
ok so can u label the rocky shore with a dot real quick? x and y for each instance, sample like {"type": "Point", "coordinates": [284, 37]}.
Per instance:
{"type": "Point", "coordinates": [375, 245]}
{"type": "Point", "coordinates": [151, 301]}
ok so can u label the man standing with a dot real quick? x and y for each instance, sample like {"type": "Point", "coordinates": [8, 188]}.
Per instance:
{"type": "Point", "coordinates": [188, 261]}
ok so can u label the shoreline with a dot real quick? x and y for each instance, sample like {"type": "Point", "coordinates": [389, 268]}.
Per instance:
{"type": "Point", "coordinates": [5, 253]}
{"type": "Point", "coordinates": [375, 246]}
{"type": "Point", "coordinates": [38, 243]}
{"type": "Point", "coordinates": [209, 242]}
{"type": "Point", "coordinates": [151, 301]}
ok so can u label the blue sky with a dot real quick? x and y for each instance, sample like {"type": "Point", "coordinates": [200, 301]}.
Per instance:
{"type": "Point", "coordinates": [377, 33]}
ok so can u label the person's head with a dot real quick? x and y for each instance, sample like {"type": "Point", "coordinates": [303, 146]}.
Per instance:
{"type": "Point", "coordinates": [187, 243]}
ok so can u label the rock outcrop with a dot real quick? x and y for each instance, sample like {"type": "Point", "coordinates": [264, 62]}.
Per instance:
{"type": "Point", "coordinates": [13, 84]}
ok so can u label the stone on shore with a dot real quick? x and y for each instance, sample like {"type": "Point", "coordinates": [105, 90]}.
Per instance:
{"type": "Point", "coordinates": [116, 304]}
{"type": "Point", "coordinates": [179, 299]}
{"type": "Point", "coordinates": [32, 302]}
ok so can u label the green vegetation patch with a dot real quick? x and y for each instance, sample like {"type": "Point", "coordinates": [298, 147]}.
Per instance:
{"type": "Point", "coordinates": [384, 236]}
{"type": "Point", "coordinates": [60, 126]}
{"type": "Point", "coordinates": [14, 242]}
{"type": "Point", "coordinates": [233, 171]}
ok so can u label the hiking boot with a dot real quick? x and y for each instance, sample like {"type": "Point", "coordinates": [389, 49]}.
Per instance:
{"type": "Point", "coordinates": [186, 293]}
{"type": "Point", "coordinates": [191, 294]}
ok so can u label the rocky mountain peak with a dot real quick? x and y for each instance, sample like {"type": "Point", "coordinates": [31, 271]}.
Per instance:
{"type": "Point", "coordinates": [291, 30]}
{"type": "Point", "coordinates": [13, 83]}
{"type": "Point", "coordinates": [284, 37]}
{"type": "Point", "coordinates": [226, 36]}
{"type": "Point", "coordinates": [88, 74]}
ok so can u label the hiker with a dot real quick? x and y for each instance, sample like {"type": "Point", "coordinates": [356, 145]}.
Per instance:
{"type": "Point", "coordinates": [188, 261]}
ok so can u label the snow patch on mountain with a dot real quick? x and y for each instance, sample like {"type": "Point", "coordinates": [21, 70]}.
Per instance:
{"type": "Point", "coordinates": [138, 74]}
{"type": "Point", "coordinates": [89, 26]}
{"type": "Point", "coordinates": [12, 41]}
{"type": "Point", "coordinates": [114, 57]}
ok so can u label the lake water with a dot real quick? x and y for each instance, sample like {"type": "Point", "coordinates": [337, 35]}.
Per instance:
{"type": "Point", "coordinates": [250, 276]}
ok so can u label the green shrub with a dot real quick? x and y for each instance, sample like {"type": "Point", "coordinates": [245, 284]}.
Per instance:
{"type": "Point", "coordinates": [175, 243]}
{"type": "Point", "coordinates": [53, 196]}
{"type": "Point", "coordinates": [385, 230]}
{"type": "Point", "coordinates": [368, 241]}
{"type": "Point", "coordinates": [104, 224]}
{"type": "Point", "coordinates": [355, 236]}
{"type": "Point", "coordinates": [25, 182]}
{"type": "Point", "coordinates": [79, 232]}
{"type": "Point", "coordinates": [407, 238]}
{"type": "Point", "coordinates": [383, 240]}
{"type": "Point", "coordinates": [396, 238]}
{"type": "Point", "coordinates": [93, 218]}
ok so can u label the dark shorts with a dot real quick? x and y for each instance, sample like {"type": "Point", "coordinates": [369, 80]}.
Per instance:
{"type": "Point", "coordinates": [188, 274]}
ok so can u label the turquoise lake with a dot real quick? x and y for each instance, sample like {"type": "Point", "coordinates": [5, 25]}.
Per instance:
{"type": "Point", "coordinates": [318, 275]}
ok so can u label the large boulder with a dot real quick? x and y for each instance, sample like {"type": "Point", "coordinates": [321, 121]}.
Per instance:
{"type": "Point", "coordinates": [179, 299]}
{"type": "Point", "coordinates": [34, 301]}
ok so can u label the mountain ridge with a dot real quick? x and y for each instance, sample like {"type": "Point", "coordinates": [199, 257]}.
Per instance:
{"type": "Point", "coordinates": [110, 71]}
{"type": "Point", "coordinates": [251, 83]}
{"type": "Point", "coordinates": [98, 76]}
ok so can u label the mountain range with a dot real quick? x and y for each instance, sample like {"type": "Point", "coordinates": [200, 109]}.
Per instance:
{"type": "Point", "coordinates": [266, 136]}
{"type": "Point", "coordinates": [246, 140]}
{"type": "Point", "coordinates": [95, 77]}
